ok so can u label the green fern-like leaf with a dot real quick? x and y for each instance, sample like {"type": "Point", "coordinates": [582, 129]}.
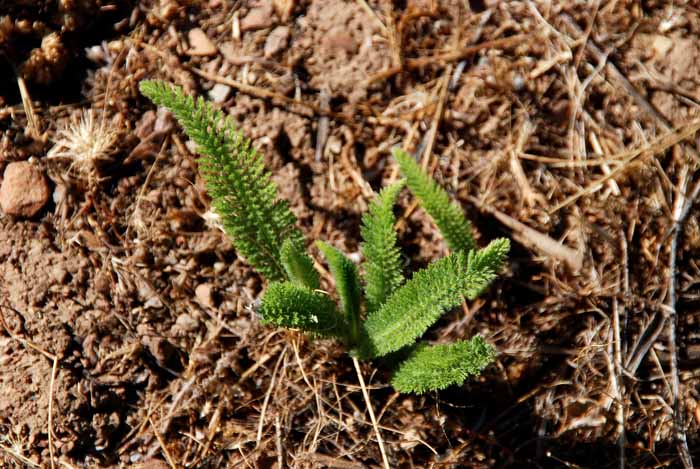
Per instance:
{"type": "Point", "coordinates": [237, 181]}
{"type": "Point", "coordinates": [286, 304]}
{"type": "Point", "coordinates": [483, 266]}
{"type": "Point", "coordinates": [429, 368]}
{"type": "Point", "coordinates": [298, 265]}
{"type": "Point", "coordinates": [382, 256]}
{"type": "Point", "coordinates": [447, 215]}
{"type": "Point", "coordinates": [347, 283]}
{"type": "Point", "coordinates": [415, 306]}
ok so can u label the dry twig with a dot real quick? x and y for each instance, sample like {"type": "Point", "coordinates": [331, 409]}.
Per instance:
{"type": "Point", "coordinates": [534, 239]}
{"type": "Point", "coordinates": [365, 393]}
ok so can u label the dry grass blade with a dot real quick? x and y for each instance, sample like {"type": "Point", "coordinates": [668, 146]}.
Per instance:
{"type": "Point", "coordinates": [163, 447]}
{"type": "Point", "coordinates": [655, 147]}
{"type": "Point", "coordinates": [449, 56]}
{"type": "Point", "coordinates": [368, 401]}
{"type": "Point", "coordinates": [617, 75]}
{"type": "Point", "coordinates": [268, 394]}
{"type": "Point", "coordinates": [372, 14]}
{"type": "Point", "coordinates": [29, 109]}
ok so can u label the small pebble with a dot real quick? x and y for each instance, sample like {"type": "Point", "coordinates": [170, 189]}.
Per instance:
{"type": "Point", "coordinates": [258, 18]}
{"type": "Point", "coordinates": [276, 41]}
{"type": "Point", "coordinates": [204, 294]}
{"type": "Point", "coordinates": [200, 44]}
{"type": "Point", "coordinates": [186, 323]}
{"type": "Point", "coordinates": [219, 93]}
{"type": "Point", "coordinates": [24, 190]}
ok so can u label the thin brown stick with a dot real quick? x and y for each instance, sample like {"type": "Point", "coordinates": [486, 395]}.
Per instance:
{"type": "Point", "coordinates": [166, 453]}
{"type": "Point", "coordinates": [311, 109]}
{"type": "Point", "coordinates": [268, 394]}
{"type": "Point", "coordinates": [672, 323]}
{"type": "Point", "coordinates": [54, 371]}
{"type": "Point", "coordinates": [365, 393]}
{"type": "Point", "coordinates": [534, 239]}
{"type": "Point", "coordinates": [448, 56]}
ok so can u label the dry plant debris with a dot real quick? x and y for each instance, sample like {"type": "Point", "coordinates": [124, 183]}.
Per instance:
{"type": "Point", "coordinates": [570, 124]}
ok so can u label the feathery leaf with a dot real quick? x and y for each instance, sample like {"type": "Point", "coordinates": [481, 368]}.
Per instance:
{"type": "Point", "coordinates": [435, 367]}
{"type": "Point", "coordinates": [237, 181]}
{"type": "Point", "coordinates": [347, 283]}
{"type": "Point", "coordinates": [448, 216]}
{"type": "Point", "coordinates": [415, 306]}
{"type": "Point", "coordinates": [483, 266]}
{"type": "Point", "coordinates": [298, 265]}
{"type": "Point", "coordinates": [382, 256]}
{"type": "Point", "coordinates": [288, 305]}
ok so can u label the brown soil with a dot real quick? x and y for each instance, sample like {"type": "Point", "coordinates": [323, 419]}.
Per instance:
{"type": "Point", "coordinates": [126, 331]}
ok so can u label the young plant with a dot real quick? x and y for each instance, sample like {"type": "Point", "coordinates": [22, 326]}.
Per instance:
{"type": "Point", "coordinates": [379, 312]}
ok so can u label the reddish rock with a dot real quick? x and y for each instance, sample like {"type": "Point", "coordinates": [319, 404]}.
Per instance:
{"type": "Point", "coordinates": [200, 44]}
{"type": "Point", "coordinates": [259, 17]}
{"type": "Point", "coordinates": [276, 41]}
{"type": "Point", "coordinates": [205, 294]}
{"type": "Point", "coordinates": [24, 190]}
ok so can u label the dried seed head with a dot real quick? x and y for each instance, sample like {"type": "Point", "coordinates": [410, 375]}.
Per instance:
{"type": "Point", "coordinates": [86, 141]}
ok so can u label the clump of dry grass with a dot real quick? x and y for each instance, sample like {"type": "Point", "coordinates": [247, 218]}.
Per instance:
{"type": "Point", "coordinates": [87, 142]}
